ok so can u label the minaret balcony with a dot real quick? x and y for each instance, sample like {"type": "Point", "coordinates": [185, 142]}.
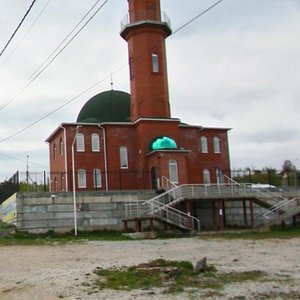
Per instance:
{"type": "Point", "coordinates": [140, 19]}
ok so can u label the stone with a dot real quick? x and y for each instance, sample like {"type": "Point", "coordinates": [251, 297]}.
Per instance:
{"type": "Point", "coordinates": [201, 265]}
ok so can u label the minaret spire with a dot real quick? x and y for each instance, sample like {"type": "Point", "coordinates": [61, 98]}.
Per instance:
{"type": "Point", "coordinates": [145, 32]}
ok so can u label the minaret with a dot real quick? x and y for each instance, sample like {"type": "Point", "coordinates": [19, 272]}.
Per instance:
{"type": "Point", "coordinates": [145, 32]}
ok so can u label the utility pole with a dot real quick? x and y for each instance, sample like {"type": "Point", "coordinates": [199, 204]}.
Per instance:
{"type": "Point", "coordinates": [27, 174]}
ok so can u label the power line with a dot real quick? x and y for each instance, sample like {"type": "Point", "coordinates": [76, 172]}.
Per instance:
{"type": "Point", "coordinates": [50, 60]}
{"type": "Point", "coordinates": [198, 16]}
{"type": "Point", "coordinates": [18, 27]}
{"type": "Point", "coordinates": [22, 160]}
{"type": "Point", "coordinates": [24, 36]}
{"type": "Point", "coordinates": [64, 104]}
{"type": "Point", "coordinates": [108, 76]}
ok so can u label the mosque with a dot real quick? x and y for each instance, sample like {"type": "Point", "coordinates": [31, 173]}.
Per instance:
{"type": "Point", "coordinates": [124, 141]}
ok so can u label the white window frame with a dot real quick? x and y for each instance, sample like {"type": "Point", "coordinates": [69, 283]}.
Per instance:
{"type": "Point", "coordinates": [95, 140]}
{"type": "Point", "coordinates": [80, 142]}
{"type": "Point", "coordinates": [217, 146]}
{"type": "Point", "coordinates": [81, 177]}
{"type": "Point", "coordinates": [54, 152]}
{"type": "Point", "coordinates": [61, 146]}
{"type": "Point", "coordinates": [123, 157]}
{"type": "Point", "coordinates": [204, 144]}
{"type": "Point", "coordinates": [155, 62]}
{"type": "Point", "coordinates": [206, 176]}
{"type": "Point", "coordinates": [173, 171]}
{"type": "Point", "coordinates": [97, 178]}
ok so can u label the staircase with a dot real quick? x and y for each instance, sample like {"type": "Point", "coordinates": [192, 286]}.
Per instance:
{"type": "Point", "coordinates": [282, 211]}
{"type": "Point", "coordinates": [161, 207]}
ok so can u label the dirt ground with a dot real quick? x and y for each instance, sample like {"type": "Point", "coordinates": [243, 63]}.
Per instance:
{"type": "Point", "coordinates": [66, 272]}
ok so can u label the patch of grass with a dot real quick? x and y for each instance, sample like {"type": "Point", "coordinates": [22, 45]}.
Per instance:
{"type": "Point", "coordinates": [275, 232]}
{"type": "Point", "coordinates": [53, 238]}
{"type": "Point", "coordinates": [172, 276]}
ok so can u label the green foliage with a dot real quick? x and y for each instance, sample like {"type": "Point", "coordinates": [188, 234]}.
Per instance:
{"type": "Point", "coordinates": [275, 232]}
{"type": "Point", "coordinates": [54, 238]}
{"type": "Point", "coordinates": [180, 276]}
{"type": "Point", "coordinates": [264, 176]}
{"type": "Point", "coordinates": [32, 187]}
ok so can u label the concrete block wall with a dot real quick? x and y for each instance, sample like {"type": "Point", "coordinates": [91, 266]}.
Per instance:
{"type": "Point", "coordinates": [233, 212]}
{"type": "Point", "coordinates": [39, 213]}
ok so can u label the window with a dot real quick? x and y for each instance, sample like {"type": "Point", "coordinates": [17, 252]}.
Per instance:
{"type": "Point", "coordinates": [123, 158]}
{"type": "Point", "coordinates": [54, 151]}
{"type": "Point", "coordinates": [219, 176]}
{"type": "Point", "coordinates": [81, 179]}
{"type": "Point", "coordinates": [155, 65]}
{"type": "Point", "coordinates": [62, 179]}
{"type": "Point", "coordinates": [95, 142]}
{"type": "Point", "coordinates": [61, 146]}
{"type": "Point", "coordinates": [97, 178]}
{"type": "Point", "coordinates": [80, 142]}
{"type": "Point", "coordinates": [55, 184]}
{"type": "Point", "coordinates": [206, 176]}
{"type": "Point", "coordinates": [217, 148]}
{"type": "Point", "coordinates": [203, 145]}
{"type": "Point", "coordinates": [131, 67]}
{"type": "Point", "coordinates": [173, 171]}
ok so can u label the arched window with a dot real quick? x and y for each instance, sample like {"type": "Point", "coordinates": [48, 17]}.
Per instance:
{"type": "Point", "coordinates": [61, 146]}
{"type": "Point", "coordinates": [95, 142]}
{"type": "Point", "coordinates": [54, 151]}
{"type": "Point", "coordinates": [173, 171]}
{"type": "Point", "coordinates": [203, 144]}
{"type": "Point", "coordinates": [81, 179]}
{"type": "Point", "coordinates": [62, 181]}
{"type": "Point", "coordinates": [155, 64]}
{"type": "Point", "coordinates": [80, 142]}
{"type": "Point", "coordinates": [55, 184]}
{"type": "Point", "coordinates": [97, 178]}
{"type": "Point", "coordinates": [131, 66]}
{"type": "Point", "coordinates": [206, 176]}
{"type": "Point", "coordinates": [217, 148]}
{"type": "Point", "coordinates": [123, 158]}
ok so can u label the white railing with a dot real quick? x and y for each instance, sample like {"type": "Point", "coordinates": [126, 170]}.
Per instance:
{"type": "Point", "coordinates": [162, 205]}
{"type": "Point", "coordinates": [281, 208]}
{"type": "Point", "coordinates": [144, 16]}
{"type": "Point", "coordinates": [167, 213]}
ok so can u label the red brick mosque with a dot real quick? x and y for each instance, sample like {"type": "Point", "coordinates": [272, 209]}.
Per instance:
{"type": "Point", "coordinates": [124, 141]}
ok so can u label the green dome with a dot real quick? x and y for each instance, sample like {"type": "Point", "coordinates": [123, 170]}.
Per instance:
{"type": "Point", "coordinates": [109, 106]}
{"type": "Point", "coordinates": [163, 142]}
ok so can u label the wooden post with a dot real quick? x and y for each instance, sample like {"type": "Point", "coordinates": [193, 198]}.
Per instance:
{"type": "Point", "coordinates": [245, 213]}
{"type": "Point", "coordinates": [125, 226]}
{"type": "Point", "coordinates": [151, 224]}
{"type": "Point", "coordinates": [214, 214]}
{"type": "Point", "coordinates": [138, 225]}
{"type": "Point", "coordinates": [221, 217]}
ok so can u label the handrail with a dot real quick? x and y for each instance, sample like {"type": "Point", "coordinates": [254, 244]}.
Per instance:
{"type": "Point", "coordinates": [146, 16]}
{"type": "Point", "coordinates": [286, 204]}
{"type": "Point", "coordinates": [162, 205]}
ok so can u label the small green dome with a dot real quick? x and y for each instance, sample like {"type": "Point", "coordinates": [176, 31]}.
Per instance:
{"type": "Point", "coordinates": [163, 142]}
{"type": "Point", "coordinates": [109, 106]}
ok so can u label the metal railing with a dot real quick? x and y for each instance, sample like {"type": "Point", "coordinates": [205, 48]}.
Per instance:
{"type": "Point", "coordinates": [162, 205]}
{"type": "Point", "coordinates": [164, 212]}
{"type": "Point", "coordinates": [286, 208]}
{"type": "Point", "coordinates": [144, 16]}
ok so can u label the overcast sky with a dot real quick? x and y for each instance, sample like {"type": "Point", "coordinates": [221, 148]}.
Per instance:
{"type": "Point", "coordinates": [237, 66]}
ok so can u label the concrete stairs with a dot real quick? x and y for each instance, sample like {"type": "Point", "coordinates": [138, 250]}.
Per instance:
{"type": "Point", "coordinates": [162, 206]}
